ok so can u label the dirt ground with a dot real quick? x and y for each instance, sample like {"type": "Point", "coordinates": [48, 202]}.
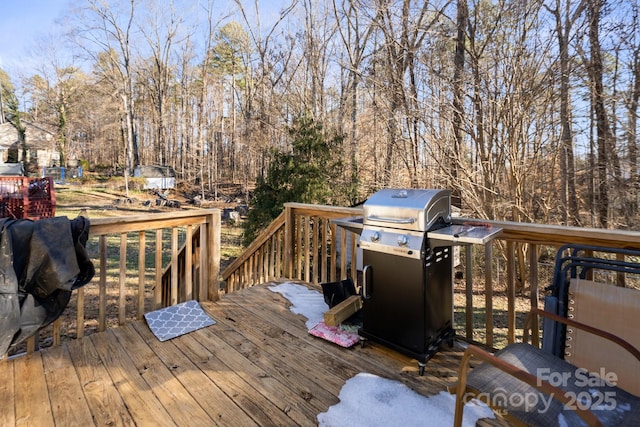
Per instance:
{"type": "Point", "coordinates": [99, 200]}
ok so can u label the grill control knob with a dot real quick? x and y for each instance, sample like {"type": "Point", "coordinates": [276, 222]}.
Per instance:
{"type": "Point", "coordinates": [403, 240]}
{"type": "Point", "coordinates": [375, 236]}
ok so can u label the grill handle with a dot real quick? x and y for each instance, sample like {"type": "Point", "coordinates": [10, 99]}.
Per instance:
{"type": "Point", "coordinates": [391, 220]}
{"type": "Point", "coordinates": [365, 291]}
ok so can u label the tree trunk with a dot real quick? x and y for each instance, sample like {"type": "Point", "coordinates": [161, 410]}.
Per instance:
{"type": "Point", "coordinates": [568, 199]}
{"type": "Point", "coordinates": [462, 19]}
{"type": "Point", "coordinates": [596, 71]}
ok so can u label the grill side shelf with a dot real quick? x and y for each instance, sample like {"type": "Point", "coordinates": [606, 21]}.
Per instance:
{"type": "Point", "coordinates": [458, 234]}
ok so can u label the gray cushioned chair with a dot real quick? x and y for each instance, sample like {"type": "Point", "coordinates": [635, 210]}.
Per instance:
{"type": "Point", "coordinates": [529, 386]}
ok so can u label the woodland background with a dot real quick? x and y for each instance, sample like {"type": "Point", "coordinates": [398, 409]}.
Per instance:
{"type": "Point", "coordinates": [526, 109]}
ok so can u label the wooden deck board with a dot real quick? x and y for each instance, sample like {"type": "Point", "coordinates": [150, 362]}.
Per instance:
{"type": "Point", "coordinates": [104, 400]}
{"type": "Point", "coordinates": [170, 392]}
{"type": "Point", "coordinates": [258, 365]}
{"type": "Point", "coordinates": [29, 387]}
{"type": "Point", "coordinates": [265, 343]}
{"type": "Point", "coordinates": [7, 395]}
{"type": "Point", "coordinates": [372, 358]}
{"type": "Point", "coordinates": [243, 392]}
{"type": "Point", "coordinates": [220, 407]}
{"type": "Point", "coordinates": [68, 404]}
{"type": "Point", "coordinates": [282, 395]}
{"type": "Point", "coordinates": [140, 400]}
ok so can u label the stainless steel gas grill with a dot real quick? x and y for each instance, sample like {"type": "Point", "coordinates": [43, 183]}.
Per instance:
{"type": "Point", "coordinates": [407, 238]}
{"type": "Point", "coordinates": [407, 283]}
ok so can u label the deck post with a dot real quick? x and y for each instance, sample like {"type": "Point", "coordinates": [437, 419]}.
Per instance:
{"type": "Point", "coordinates": [289, 222]}
{"type": "Point", "coordinates": [213, 252]}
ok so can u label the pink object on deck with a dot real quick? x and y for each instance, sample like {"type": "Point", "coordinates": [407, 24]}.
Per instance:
{"type": "Point", "coordinates": [335, 334]}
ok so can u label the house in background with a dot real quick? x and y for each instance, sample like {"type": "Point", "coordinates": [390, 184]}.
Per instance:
{"type": "Point", "coordinates": [40, 145]}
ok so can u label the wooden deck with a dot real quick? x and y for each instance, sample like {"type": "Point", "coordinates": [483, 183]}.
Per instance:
{"type": "Point", "coordinates": [256, 366]}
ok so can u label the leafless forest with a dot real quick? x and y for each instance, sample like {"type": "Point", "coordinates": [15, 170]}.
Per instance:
{"type": "Point", "coordinates": [527, 109]}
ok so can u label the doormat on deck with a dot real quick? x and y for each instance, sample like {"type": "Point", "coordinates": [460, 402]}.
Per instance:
{"type": "Point", "coordinates": [176, 320]}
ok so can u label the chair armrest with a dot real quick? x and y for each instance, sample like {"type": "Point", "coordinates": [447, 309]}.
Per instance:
{"type": "Point", "coordinates": [542, 385]}
{"type": "Point", "coordinates": [599, 332]}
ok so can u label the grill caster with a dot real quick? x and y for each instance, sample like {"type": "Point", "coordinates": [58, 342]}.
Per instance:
{"type": "Point", "coordinates": [451, 338]}
{"type": "Point", "coordinates": [421, 367]}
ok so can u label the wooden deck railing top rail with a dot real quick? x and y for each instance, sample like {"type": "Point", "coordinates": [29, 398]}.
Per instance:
{"type": "Point", "coordinates": [558, 235]}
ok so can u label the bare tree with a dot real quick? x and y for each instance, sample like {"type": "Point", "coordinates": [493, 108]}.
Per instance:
{"type": "Point", "coordinates": [631, 39]}
{"type": "Point", "coordinates": [107, 37]}
{"type": "Point", "coordinates": [405, 31]}
{"type": "Point", "coordinates": [56, 91]}
{"type": "Point", "coordinates": [273, 51]}
{"type": "Point", "coordinates": [355, 35]}
{"type": "Point", "coordinates": [160, 32]}
{"type": "Point", "coordinates": [603, 127]}
{"type": "Point", "coordinates": [455, 151]}
{"type": "Point", "coordinates": [209, 118]}
{"type": "Point", "coordinates": [565, 16]}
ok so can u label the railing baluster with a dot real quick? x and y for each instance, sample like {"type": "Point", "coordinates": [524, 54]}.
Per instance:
{"type": "Point", "coordinates": [157, 295]}
{"type": "Point", "coordinates": [32, 343]}
{"type": "Point", "coordinates": [468, 251]}
{"type": "Point", "coordinates": [122, 299]}
{"type": "Point", "coordinates": [203, 264]}
{"type": "Point", "coordinates": [315, 249]}
{"type": "Point", "coordinates": [56, 332]}
{"type": "Point", "coordinates": [79, 316]}
{"type": "Point", "coordinates": [273, 256]}
{"type": "Point", "coordinates": [188, 264]}
{"type": "Point", "coordinates": [102, 302]}
{"type": "Point", "coordinates": [175, 298]}
{"type": "Point", "coordinates": [324, 241]}
{"type": "Point", "coordinates": [278, 270]}
{"type": "Point", "coordinates": [354, 258]}
{"type": "Point", "coordinates": [300, 248]}
{"type": "Point", "coordinates": [511, 292]}
{"type": "Point", "coordinates": [488, 287]}
{"type": "Point", "coordinates": [266, 259]}
{"type": "Point", "coordinates": [334, 259]}
{"type": "Point", "coordinates": [212, 273]}
{"type": "Point", "coordinates": [289, 222]}
{"type": "Point", "coordinates": [142, 242]}
{"type": "Point", "coordinates": [533, 288]}
{"type": "Point", "coordinates": [307, 249]}
{"type": "Point", "coordinates": [343, 254]}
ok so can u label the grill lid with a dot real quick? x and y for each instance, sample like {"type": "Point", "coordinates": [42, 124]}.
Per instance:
{"type": "Point", "coordinates": [407, 209]}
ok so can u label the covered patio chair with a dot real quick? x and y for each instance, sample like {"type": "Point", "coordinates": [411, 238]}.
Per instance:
{"type": "Point", "coordinates": [586, 371]}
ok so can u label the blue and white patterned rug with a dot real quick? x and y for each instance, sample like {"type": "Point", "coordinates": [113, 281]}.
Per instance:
{"type": "Point", "coordinates": [176, 320]}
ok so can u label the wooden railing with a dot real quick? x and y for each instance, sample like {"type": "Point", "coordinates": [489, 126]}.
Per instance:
{"type": "Point", "coordinates": [500, 281]}
{"type": "Point", "coordinates": [292, 247]}
{"type": "Point", "coordinates": [131, 255]}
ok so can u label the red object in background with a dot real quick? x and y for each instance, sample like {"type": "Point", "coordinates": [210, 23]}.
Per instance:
{"type": "Point", "coordinates": [27, 198]}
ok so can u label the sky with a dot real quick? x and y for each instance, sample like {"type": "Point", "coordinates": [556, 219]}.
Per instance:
{"type": "Point", "coordinates": [367, 400]}
{"type": "Point", "coordinates": [22, 23]}
{"type": "Point", "coordinates": [30, 30]}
